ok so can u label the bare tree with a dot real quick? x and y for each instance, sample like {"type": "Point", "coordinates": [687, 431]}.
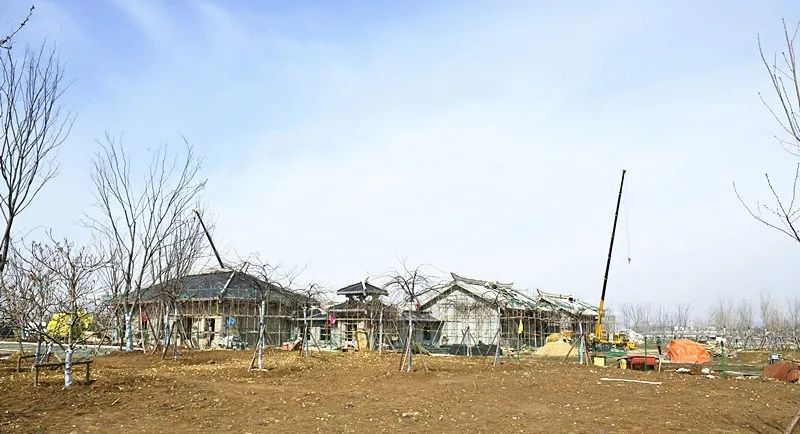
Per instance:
{"type": "Point", "coordinates": [766, 309]}
{"type": "Point", "coordinates": [639, 316]}
{"type": "Point", "coordinates": [5, 41]}
{"type": "Point", "coordinates": [175, 260]}
{"type": "Point", "coordinates": [56, 284]}
{"type": "Point", "coordinates": [722, 314]}
{"type": "Point", "coordinates": [27, 297]}
{"type": "Point", "coordinates": [32, 126]}
{"type": "Point", "coordinates": [624, 314]}
{"type": "Point", "coordinates": [309, 295]}
{"type": "Point", "coordinates": [743, 321]}
{"type": "Point", "coordinates": [74, 271]}
{"type": "Point", "coordinates": [782, 211]}
{"type": "Point", "coordinates": [793, 307]}
{"type": "Point", "coordinates": [411, 283]}
{"type": "Point", "coordinates": [270, 279]}
{"type": "Point", "coordinates": [636, 316]}
{"type": "Point", "coordinates": [135, 221]}
{"type": "Point", "coordinates": [682, 315]}
{"type": "Point", "coordinates": [662, 317]}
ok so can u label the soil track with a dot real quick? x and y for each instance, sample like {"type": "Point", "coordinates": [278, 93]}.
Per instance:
{"type": "Point", "coordinates": [212, 391]}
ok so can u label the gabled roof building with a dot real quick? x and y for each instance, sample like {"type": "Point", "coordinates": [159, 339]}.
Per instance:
{"type": "Point", "coordinates": [358, 323]}
{"type": "Point", "coordinates": [213, 309]}
{"type": "Point", "coordinates": [476, 313]}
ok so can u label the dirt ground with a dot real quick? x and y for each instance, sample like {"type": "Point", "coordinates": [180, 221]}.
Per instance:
{"type": "Point", "coordinates": [329, 392]}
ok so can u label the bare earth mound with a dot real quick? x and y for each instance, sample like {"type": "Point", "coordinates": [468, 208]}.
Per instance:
{"type": "Point", "coordinates": [558, 349]}
{"type": "Point", "coordinates": [212, 391]}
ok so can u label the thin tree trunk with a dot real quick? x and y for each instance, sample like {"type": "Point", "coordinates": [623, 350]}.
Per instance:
{"type": "Point", "coordinates": [19, 341]}
{"type": "Point", "coordinates": [166, 327]}
{"type": "Point", "coordinates": [129, 329]}
{"type": "Point", "coordinates": [142, 330]}
{"type": "Point", "coordinates": [380, 333]}
{"type": "Point", "coordinates": [409, 350]}
{"type": "Point", "coordinates": [261, 336]}
{"type": "Point", "coordinates": [497, 342]}
{"type": "Point", "coordinates": [68, 367]}
{"type": "Point", "coordinates": [6, 243]}
{"type": "Point", "coordinates": [167, 343]}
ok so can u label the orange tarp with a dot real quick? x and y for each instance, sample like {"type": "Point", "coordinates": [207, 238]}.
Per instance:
{"type": "Point", "coordinates": [687, 351]}
{"type": "Point", "coordinates": [784, 371]}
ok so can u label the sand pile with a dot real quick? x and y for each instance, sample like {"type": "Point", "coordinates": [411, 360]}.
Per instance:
{"type": "Point", "coordinates": [559, 348]}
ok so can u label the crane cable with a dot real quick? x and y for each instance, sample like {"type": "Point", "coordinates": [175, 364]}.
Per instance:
{"type": "Point", "coordinates": [627, 226]}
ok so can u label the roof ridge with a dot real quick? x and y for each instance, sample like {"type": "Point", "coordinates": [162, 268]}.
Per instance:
{"type": "Point", "coordinates": [472, 281]}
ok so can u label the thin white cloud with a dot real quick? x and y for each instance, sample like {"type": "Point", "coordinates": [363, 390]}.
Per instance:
{"type": "Point", "coordinates": [487, 142]}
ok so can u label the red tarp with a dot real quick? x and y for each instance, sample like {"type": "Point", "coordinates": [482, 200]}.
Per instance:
{"type": "Point", "coordinates": [784, 371]}
{"type": "Point", "coordinates": [687, 351]}
{"type": "Point", "coordinates": [639, 362]}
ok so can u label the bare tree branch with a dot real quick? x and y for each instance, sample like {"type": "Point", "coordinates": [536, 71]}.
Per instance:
{"type": "Point", "coordinates": [136, 223]}
{"type": "Point", "coordinates": [5, 42]}
{"type": "Point", "coordinates": [32, 127]}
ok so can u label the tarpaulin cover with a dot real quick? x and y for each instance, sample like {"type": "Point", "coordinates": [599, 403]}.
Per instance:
{"type": "Point", "coordinates": [784, 371]}
{"type": "Point", "coordinates": [687, 351]}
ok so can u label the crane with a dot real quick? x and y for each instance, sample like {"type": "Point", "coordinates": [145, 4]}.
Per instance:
{"type": "Point", "coordinates": [618, 340]}
{"type": "Point", "coordinates": [210, 241]}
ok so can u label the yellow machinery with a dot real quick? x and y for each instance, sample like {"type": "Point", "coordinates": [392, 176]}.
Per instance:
{"type": "Point", "coordinates": [620, 340]}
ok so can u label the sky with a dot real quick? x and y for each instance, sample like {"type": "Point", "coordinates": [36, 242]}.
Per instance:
{"type": "Point", "coordinates": [482, 138]}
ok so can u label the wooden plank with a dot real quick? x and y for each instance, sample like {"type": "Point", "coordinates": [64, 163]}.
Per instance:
{"type": "Point", "coordinates": [38, 366]}
{"type": "Point", "coordinates": [57, 364]}
{"type": "Point", "coordinates": [21, 357]}
{"type": "Point", "coordinates": [631, 381]}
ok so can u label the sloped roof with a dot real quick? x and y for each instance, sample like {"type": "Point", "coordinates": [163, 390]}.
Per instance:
{"type": "Point", "coordinates": [491, 292]}
{"type": "Point", "coordinates": [564, 302]}
{"type": "Point", "coordinates": [223, 285]}
{"type": "Point", "coordinates": [360, 306]}
{"type": "Point", "coordinates": [315, 314]}
{"type": "Point", "coordinates": [418, 316]}
{"type": "Point", "coordinates": [508, 297]}
{"type": "Point", "coordinates": [363, 289]}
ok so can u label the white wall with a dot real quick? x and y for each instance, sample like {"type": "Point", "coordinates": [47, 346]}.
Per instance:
{"type": "Point", "coordinates": [458, 311]}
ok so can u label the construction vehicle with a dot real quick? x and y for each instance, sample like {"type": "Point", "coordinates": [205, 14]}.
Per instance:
{"type": "Point", "coordinates": [621, 340]}
{"type": "Point", "coordinates": [600, 340]}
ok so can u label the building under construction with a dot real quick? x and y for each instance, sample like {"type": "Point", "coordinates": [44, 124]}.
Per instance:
{"type": "Point", "coordinates": [472, 312]}
{"type": "Point", "coordinates": [219, 308]}
{"type": "Point", "coordinates": [360, 322]}
{"type": "Point", "coordinates": [459, 317]}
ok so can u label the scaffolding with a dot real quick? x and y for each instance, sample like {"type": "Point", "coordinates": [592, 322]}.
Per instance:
{"type": "Point", "coordinates": [210, 316]}
{"type": "Point", "coordinates": [464, 317]}
{"type": "Point", "coordinates": [477, 315]}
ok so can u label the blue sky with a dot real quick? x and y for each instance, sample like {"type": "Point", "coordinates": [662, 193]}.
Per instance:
{"type": "Point", "coordinates": [484, 138]}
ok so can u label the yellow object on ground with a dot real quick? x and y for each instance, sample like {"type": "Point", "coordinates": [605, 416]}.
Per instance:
{"type": "Point", "coordinates": [59, 324]}
{"type": "Point", "coordinates": [363, 342]}
{"type": "Point", "coordinates": [558, 348]}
